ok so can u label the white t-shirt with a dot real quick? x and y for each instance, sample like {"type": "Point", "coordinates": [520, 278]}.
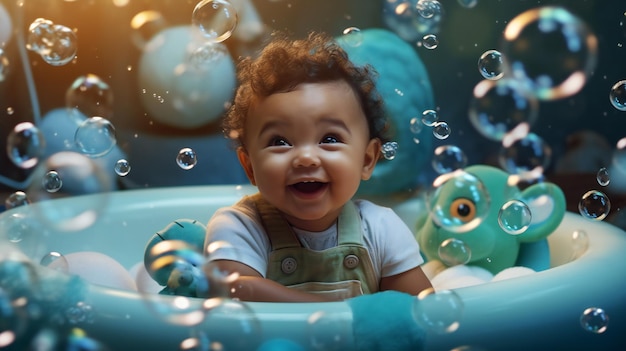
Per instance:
{"type": "Point", "coordinates": [391, 244]}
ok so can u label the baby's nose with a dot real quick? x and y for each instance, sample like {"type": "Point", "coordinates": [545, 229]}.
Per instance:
{"type": "Point", "coordinates": [306, 156]}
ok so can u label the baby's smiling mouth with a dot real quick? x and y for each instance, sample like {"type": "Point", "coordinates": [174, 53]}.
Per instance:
{"type": "Point", "coordinates": [308, 187]}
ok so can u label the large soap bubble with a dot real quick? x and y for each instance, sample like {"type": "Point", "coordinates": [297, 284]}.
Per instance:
{"type": "Point", "coordinates": [551, 50]}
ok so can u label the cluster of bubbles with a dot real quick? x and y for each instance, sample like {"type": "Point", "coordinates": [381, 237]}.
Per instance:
{"type": "Point", "coordinates": [55, 43]}
{"type": "Point", "coordinates": [416, 21]}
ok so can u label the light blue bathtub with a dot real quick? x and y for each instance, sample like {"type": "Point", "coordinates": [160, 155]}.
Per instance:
{"type": "Point", "coordinates": [536, 312]}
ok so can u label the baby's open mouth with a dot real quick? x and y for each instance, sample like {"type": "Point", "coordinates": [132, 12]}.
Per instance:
{"type": "Point", "coordinates": [308, 187]}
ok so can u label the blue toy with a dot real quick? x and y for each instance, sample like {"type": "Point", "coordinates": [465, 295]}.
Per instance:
{"type": "Point", "coordinates": [466, 208]}
{"type": "Point", "coordinates": [173, 258]}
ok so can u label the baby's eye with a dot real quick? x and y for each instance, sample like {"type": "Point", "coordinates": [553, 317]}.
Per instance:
{"type": "Point", "coordinates": [329, 139]}
{"type": "Point", "coordinates": [278, 141]}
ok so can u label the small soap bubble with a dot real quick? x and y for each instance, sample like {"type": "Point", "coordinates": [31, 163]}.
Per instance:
{"type": "Point", "coordinates": [527, 155]}
{"type": "Point", "coordinates": [430, 41]}
{"type": "Point", "coordinates": [389, 150]}
{"type": "Point", "coordinates": [454, 252]}
{"type": "Point", "coordinates": [466, 210]}
{"type": "Point", "coordinates": [448, 158]}
{"type": "Point", "coordinates": [594, 205]}
{"type": "Point", "coordinates": [514, 217]}
{"type": "Point", "coordinates": [490, 65]}
{"type": "Point", "coordinates": [145, 25]}
{"type": "Point", "coordinates": [428, 8]}
{"type": "Point", "coordinates": [594, 320]}
{"type": "Point", "coordinates": [415, 125]}
{"type": "Point", "coordinates": [55, 261]}
{"type": "Point", "coordinates": [25, 145]}
{"type": "Point", "coordinates": [498, 107]}
{"type": "Point", "coordinates": [352, 36]}
{"type": "Point", "coordinates": [16, 199]}
{"type": "Point", "coordinates": [95, 136]}
{"type": "Point", "coordinates": [550, 50]}
{"type": "Point", "coordinates": [5, 65]}
{"type": "Point", "coordinates": [430, 117]}
{"type": "Point", "coordinates": [122, 167]}
{"type": "Point", "coordinates": [91, 96]}
{"type": "Point", "coordinates": [186, 158]}
{"type": "Point", "coordinates": [51, 182]}
{"type": "Point", "coordinates": [215, 19]}
{"type": "Point", "coordinates": [438, 312]}
{"type": "Point", "coordinates": [618, 95]}
{"type": "Point", "coordinates": [603, 176]}
{"type": "Point", "coordinates": [81, 312]}
{"type": "Point", "coordinates": [468, 4]}
{"type": "Point", "coordinates": [327, 330]}
{"type": "Point", "coordinates": [580, 243]}
{"type": "Point", "coordinates": [441, 130]}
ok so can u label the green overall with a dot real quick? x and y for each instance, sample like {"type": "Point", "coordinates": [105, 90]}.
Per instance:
{"type": "Point", "coordinates": [343, 271]}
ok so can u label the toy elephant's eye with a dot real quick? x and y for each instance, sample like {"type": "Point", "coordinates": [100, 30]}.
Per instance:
{"type": "Point", "coordinates": [463, 209]}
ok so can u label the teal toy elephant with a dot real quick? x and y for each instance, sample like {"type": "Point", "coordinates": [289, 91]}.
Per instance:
{"type": "Point", "coordinates": [173, 258]}
{"type": "Point", "coordinates": [465, 209]}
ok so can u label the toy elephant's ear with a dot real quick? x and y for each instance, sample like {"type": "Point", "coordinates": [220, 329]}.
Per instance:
{"type": "Point", "coordinates": [546, 202]}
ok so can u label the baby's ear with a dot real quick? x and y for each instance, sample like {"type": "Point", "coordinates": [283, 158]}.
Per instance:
{"type": "Point", "coordinates": [244, 160]}
{"type": "Point", "coordinates": [372, 153]}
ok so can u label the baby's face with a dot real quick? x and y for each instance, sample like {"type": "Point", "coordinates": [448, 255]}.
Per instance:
{"type": "Point", "coordinates": [307, 150]}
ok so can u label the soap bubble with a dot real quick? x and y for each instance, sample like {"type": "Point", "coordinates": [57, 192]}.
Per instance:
{"type": "Point", "coordinates": [389, 150]}
{"type": "Point", "coordinates": [236, 317]}
{"type": "Point", "coordinates": [215, 19]}
{"type": "Point", "coordinates": [603, 177]}
{"type": "Point", "coordinates": [122, 167]}
{"type": "Point", "coordinates": [514, 217]}
{"type": "Point", "coordinates": [95, 136]}
{"type": "Point", "coordinates": [527, 155]}
{"type": "Point", "coordinates": [178, 265]}
{"type": "Point", "coordinates": [498, 107]}
{"type": "Point", "coordinates": [352, 36]}
{"type": "Point", "coordinates": [466, 209]}
{"type": "Point", "coordinates": [5, 65]}
{"type": "Point", "coordinates": [580, 243]}
{"type": "Point", "coordinates": [618, 95]}
{"type": "Point", "coordinates": [25, 145]}
{"type": "Point", "coordinates": [594, 320]}
{"type": "Point", "coordinates": [448, 158]}
{"type": "Point", "coordinates": [55, 261]}
{"type": "Point", "coordinates": [415, 126]}
{"type": "Point", "coordinates": [430, 117]}
{"type": "Point", "coordinates": [430, 41]}
{"type": "Point", "coordinates": [90, 95]}
{"type": "Point", "coordinates": [81, 312]}
{"type": "Point", "coordinates": [80, 175]}
{"type": "Point", "coordinates": [490, 65]}
{"type": "Point", "coordinates": [453, 252]}
{"type": "Point", "coordinates": [328, 331]}
{"type": "Point", "coordinates": [64, 48]}
{"type": "Point", "coordinates": [186, 158]}
{"type": "Point", "coordinates": [410, 21]}
{"type": "Point", "coordinates": [550, 50]}
{"type": "Point", "coordinates": [16, 199]}
{"type": "Point", "coordinates": [222, 280]}
{"type": "Point", "coordinates": [428, 8]}
{"type": "Point", "coordinates": [468, 3]}
{"type": "Point", "coordinates": [57, 44]}
{"type": "Point", "coordinates": [438, 312]}
{"type": "Point", "coordinates": [441, 130]}
{"type": "Point", "coordinates": [594, 205]}
{"type": "Point", "coordinates": [618, 158]}
{"type": "Point", "coordinates": [51, 182]}
{"type": "Point", "coordinates": [145, 25]}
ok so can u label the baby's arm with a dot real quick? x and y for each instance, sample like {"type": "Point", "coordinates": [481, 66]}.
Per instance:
{"type": "Point", "coordinates": [251, 286]}
{"type": "Point", "coordinates": [412, 281]}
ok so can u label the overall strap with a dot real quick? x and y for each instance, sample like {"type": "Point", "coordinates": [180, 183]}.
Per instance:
{"type": "Point", "coordinates": [279, 231]}
{"type": "Point", "coordinates": [349, 226]}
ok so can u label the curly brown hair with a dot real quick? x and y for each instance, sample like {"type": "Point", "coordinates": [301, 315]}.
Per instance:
{"type": "Point", "coordinates": [285, 63]}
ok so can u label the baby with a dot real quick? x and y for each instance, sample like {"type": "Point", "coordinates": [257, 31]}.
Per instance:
{"type": "Point", "coordinates": [309, 125]}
